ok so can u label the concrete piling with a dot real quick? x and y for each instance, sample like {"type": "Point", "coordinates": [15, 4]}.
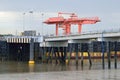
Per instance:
{"type": "Point", "coordinates": [103, 55]}
{"type": "Point", "coordinates": [31, 58]}
{"type": "Point", "coordinates": [115, 55]}
{"type": "Point", "coordinates": [82, 57]}
{"type": "Point", "coordinates": [70, 52]}
{"type": "Point", "coordinates": [63, 54]}
{"type": "Point", "coordinates": [88, 51]}
{"type": "Point", "coordinates": [58, 53]}
{"type": "Point", "coordinates": [76, 50]}
{"type": "Point", "coordinates": [89, 57]}
{"type": "Point", "coordinates": [109, 54]}
{"type": "Point", "coordinates": [48, 56]}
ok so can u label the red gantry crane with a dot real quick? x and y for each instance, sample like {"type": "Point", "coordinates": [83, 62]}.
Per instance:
{"type": "Point", "coordinates": [66, 23]}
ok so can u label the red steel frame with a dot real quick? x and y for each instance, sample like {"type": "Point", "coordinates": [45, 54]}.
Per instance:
{"type": "Point", "coordinates": [64, 23]}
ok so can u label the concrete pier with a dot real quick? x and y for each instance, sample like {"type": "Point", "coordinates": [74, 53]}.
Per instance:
{"type": "Point", "coordinates": [31, 59]}
{"type": "Point", "coordinates": [115, 55]}
{"type": "Point", "coordinates": [63, 48]}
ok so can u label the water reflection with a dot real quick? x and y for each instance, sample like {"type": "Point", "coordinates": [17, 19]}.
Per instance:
{"type": "Point", "coordinates": [31, 67]}
{"type": "Point", "coordinates": [23, 67]}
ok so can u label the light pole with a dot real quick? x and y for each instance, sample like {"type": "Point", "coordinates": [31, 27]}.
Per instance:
{"type": "Point", "coordinates": [31, 17]}
{"type": "Point", "coordinates": [42, 23]}
{"type": "Point", "coordinates": [23, 22]}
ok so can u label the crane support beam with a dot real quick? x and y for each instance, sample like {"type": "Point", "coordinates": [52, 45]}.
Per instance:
{"type": "Point", "coordinates": [56, 29]}
{"type": "Point", "coordinates": [79, 28]}
{"type": "Point", "coordinates": [68, 29]}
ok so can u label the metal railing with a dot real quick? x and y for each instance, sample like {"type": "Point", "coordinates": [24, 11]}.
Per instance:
{"type": "Point", "coordinates": [85, 33]}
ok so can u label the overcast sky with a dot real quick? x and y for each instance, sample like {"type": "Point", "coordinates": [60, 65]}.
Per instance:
{"type": "Point", "coordinates": [12, 19]}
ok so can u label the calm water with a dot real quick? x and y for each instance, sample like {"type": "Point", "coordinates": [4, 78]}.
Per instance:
{"type": "Point", "coordinates": [24, 67]}
{"type": "Point", "coordinates": [40, 71]}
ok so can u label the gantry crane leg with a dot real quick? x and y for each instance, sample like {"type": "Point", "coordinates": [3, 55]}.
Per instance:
{"type": "Point", "coordinates": [56, 29]}
{"type": "Point", "coordinates": [79, 28]}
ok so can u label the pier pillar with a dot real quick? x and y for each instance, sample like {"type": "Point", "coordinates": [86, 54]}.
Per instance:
{"type": "Point", "coordinates": [49, 51]}
{"type": "Point", "coordinates": [55, 53]}
{"type": "Point", "coordinates": [56, 58]}
{"type": "Point", "coordinates": [76, 50]}
{"type": "Point", "coordinates": [58, 54]}
{"type": "Point", "coordinates": [89, 57]}
{"type": "Point", "coordinates": [90, 49]}
{"type": "Point", "coordinates": [103, 54]}
{"type": "Point", "coordinates": [70, 52]}
{"type": "Point", "coordinates": [65, 49]}
{"type": "Point", "coordinates": [62, 54]}
{"type": "Point", "coordinates": [44, 54]}
{"type": "Point", "coordinates": [109, 54]}
{"type": "Point", "coordinates": [115, 55]}
{"type": "Point", "coordinates": [51, 55]}
{"type": "Point", "coordinates": [31, 57]}
{"type": "Point", "coordinates": [82, 57]}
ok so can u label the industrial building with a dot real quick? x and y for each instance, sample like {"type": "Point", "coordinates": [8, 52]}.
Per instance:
{"type": "Point", "coordinates": [29, 33]}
